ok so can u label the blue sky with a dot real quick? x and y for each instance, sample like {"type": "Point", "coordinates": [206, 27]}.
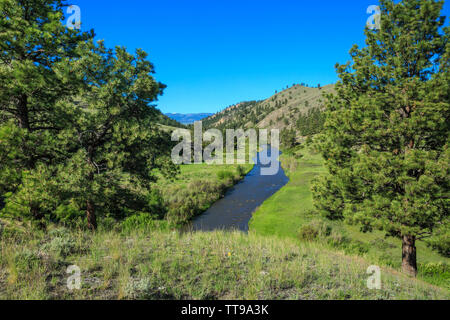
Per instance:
{"type": "Point", "coordinates": [214, 53]}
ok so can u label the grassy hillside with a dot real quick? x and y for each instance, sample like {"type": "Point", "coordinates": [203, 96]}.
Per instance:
{"type": "Point", "coordinates": [166, 265]}
{"type": "Point", "coordinates": [280, 111]}
{"type": "Point", "coordinates": [288, 214]}
{"type": "Point", "coordinates": [148, 261]}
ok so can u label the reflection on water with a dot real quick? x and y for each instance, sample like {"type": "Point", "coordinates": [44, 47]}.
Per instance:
{"type": "Point", "coordinates": [234, 211]}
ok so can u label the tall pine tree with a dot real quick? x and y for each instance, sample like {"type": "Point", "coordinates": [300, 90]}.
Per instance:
{"type": "Point", "coordinates": [35, 47]}
{"type": "Point", "coordinates": [78, 133]}
{"type": "Point", "coordinates": [386, 137]}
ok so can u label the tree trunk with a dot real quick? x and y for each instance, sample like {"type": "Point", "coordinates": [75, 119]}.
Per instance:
{"type": "Point", "coordinates": [38, 216]}
{"type": "Point", "coordinates": [409, 262]}
{"type": "Point", "coordinates": [22, 113]}
{"type": "Point", "coordinates": [91, 218]}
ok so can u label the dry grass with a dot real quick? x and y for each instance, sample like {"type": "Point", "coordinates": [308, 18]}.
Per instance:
{"type": "Point", "coordinates": [170, 265]}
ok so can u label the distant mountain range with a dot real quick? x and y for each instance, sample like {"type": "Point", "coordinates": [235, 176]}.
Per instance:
{"type": "Point", "coordinates": [188, 118]}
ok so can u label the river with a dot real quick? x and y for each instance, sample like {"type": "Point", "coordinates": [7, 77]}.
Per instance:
{"type": "Point", "coordinates": [235, 209]}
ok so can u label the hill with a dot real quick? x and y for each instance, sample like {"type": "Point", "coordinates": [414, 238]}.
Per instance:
{"type": "Point", "coordinates": [282, 110]}
{"type": "Point", "coordinates": [170, 265]}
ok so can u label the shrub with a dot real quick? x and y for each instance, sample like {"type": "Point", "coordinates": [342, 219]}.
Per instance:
{"type": "Point", "coordinates": [69, 214]}
{"type": "Point", "coordinates": [316, 228]}
{"type": "Point", "coordinates": [382, 244]}
{"type": "Point", "coordinates": [337, 239]}
{"type": "Point", "coordinates": [435, 269]}
{"type": "Point", "coordinates": [240, 170]}
{"type": "Point", "coordinates": [356, 247]}
{"type": "Point", "coordinates": [289, 164]}
{"type": "Point", "coordinates": [26, 260]}
{"type": "Point", "coordinates": [140, 221]}
{"type": "Point", "coordinates": [308, 233]}
{"type": "Point", "coordinates": [62, 243]}
{"type": "Point", "coordinates": [323, 228]}
{"type": "Point", "coordinates": [138, 289]}
{"type": "Point", "coordinates": [184, 203]}
{"type": "Point", "coordinates": [224, 175]}
{"type": "Point", "coordinates": [386, 259]}
{"type": "Point", "coordinates": [107, 224]}
{"type": "Point", "coordinates": [156, 203]}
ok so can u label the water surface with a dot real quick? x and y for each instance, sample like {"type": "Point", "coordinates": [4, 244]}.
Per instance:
{"type": "Point", "coordinates": [235, 209]}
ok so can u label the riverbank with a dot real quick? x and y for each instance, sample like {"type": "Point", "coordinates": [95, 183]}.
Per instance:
{"type": "Point", "coordinates": [196, 188]}
{"type": "Point", "coordinates": [289, 215]}
{"type": "Point", "coordinates": [234, 210]}
{"type": "Point", "coordinates": [169, 265]}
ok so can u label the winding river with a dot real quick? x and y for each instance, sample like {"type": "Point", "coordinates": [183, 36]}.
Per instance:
{"type": "Point", "coordinates": [235, 209]}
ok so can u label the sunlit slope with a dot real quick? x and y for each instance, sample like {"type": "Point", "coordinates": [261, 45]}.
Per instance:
{"type": "Point", "coordinates": [171, 265]}
{"type": "Point", "coordinates": [279, 111]}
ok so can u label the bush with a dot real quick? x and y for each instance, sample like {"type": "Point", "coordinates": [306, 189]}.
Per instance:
{"type": "Point", "coordinates": [308, 233]}
{"type": "Point", "coordinates": [289, 164]}
{"type": "Point", "coordinates": [224, 175]}
{"type": "Point", "coordinates": [138, 289]}
{"type": "Point", "coordinates": [107, 224]}
{"type": "Point", "coordinates": [156, 203]}
{"type": "Point", "coordinates": [337, 239]}
{"type": "Point", "coordinates": [240, 170]}
{"type": "Point", "coordinates": [62, 244]}
{"type": "Point", "coordinates": [11, 228]}
{"type": "Point", "coordinates": [357, 247]}
{"type": "Point", "coordinates": [382, 244]}
{"type": "Point", "coordinates": [435, 269]}
{"type": "Point", "coordinates": [70, 215]}
{"type": "Point", "coordinates": [141, 221]}
{"type": "Point", "coordinates": [386, 259]}
{"type": "Point", "coordinates": [26, 260]}
{"type": "Point", "coordinates": [316, 228]}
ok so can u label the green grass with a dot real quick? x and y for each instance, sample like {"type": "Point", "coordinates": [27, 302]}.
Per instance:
{"type": "Point", "coordinates": [170, 265]}
{"type": "Point", "coordinates": [145, 263]}
{"type": "Point", "coordinates": [290, 209]}
{"type": "Point", "coordinates": [271, 262]}
{"type": "Point", "coordinates": [196, 188]}
{"type": "Point", "coordinates": [194, 172]}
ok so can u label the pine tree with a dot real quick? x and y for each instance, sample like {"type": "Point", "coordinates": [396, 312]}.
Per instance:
{"type": "Point", "coordinates": [77, 126]}
{"type": "Point", "coordinates": [386, 137]}
{"type": "Point", "coordinates": [34, 50]}
{"type": "Point", "coordinates": [113, 127]}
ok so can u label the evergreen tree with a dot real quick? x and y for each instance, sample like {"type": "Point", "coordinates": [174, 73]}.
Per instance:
{"type": "Point", "coordinates": [386, 137]}
{"type": "Point", "coordinates": [289, 138]}
{"type": "Point", "coordinates": [34, 77]}
{"type": "Point", "coordinates": [77, 124]}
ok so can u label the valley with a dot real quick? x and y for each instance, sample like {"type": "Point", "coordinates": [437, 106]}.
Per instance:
{"type": "Point", "coordinates": [105, 195]}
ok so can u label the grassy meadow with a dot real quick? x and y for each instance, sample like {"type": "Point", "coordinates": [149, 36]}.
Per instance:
{"type": "Point", "coordinates": [170, 265]}
{"type": "Point", "coordinates": [289, 214]}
